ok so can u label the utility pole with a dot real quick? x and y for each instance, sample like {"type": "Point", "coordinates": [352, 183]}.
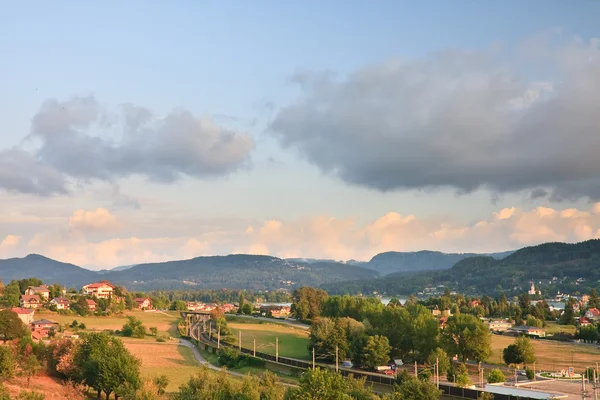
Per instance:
{"type": "Point", "coordinates": [416, 372]}
{"type": "Point", "coordinates": [437, 372]}
{"type": "Point", "coordinates": [313, 358]}
{"type": "Point", "coordinates": [534, 371]}
{"type": "Point", "coordinates": [254, 346]}
{"type": "Point", "coordinates": [277, 349]}
{"type": "Point", "coordinates": [219, 338]}
{"type": "Point", "coordinates": [336, 358]}
{"type": "Point", "coordinates": [240, 340]}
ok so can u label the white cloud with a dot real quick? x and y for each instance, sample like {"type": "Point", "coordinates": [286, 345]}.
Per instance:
{"type": "Point", "coordinates": [99, 220]}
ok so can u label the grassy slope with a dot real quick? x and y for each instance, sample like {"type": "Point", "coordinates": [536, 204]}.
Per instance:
{"type": "Point", "coordinates": [292, 342]}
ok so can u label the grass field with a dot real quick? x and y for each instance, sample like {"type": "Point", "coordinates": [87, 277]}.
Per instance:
{"type": "Point", "coordinates": [175, 361]}
{"type": "Point", "coordinates": [164, 322]}
{"type": "Point", "coordinates": [292, 342]}
{"type": "Point", "coordinates": [554, 328]}
{"type": "Point", "coordinates": [551, 355]}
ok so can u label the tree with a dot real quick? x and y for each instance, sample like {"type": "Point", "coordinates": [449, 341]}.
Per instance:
{"type": "Point", "coordinates": [588, 334]}
{"type": "Point", "coordinates": [520, 352]}
{"type": "Point", "coordinates": [134, 328]}
{"type": "Point", "coordinates": [30, 366]}
{"type": "Point", "coordinates": [241, 303]}
{"type": "Point", "coordinates": [511, 355]}
{"type": "Point", "coordinates": [324, 384]}
{"type": "Point", "coordinates": [81, 306]}
{"type": "Point", "coordinates": [325, 335]}
{"type": "Point", "coordinates": [11, 326]}
{"type": "Point", "coordinates": [161, 383]}
{"type": "Point", "coordinates": [533, 321]}
{"type": "Point", "coordinates": [104, 364]}
{"type": "Point", "coordinates": [12, 294]}
{"type": "Point", "coordinates": [568, 315]}
{"type": "Point", "coordinates": [247, 309]}
{"type": "Point", "coordinates": [594, 300]}
{"type": "Point", "coordinates": [524, 301]}
{"type": "Point", "coordinates": [178, 305]}
{"type": "Point", "coordinates": [8, 364]}
{"type": "Point", "coordinates": [495, 376]}
{"type": "Point", "coordinates": [412, 388]}
{"type": "Point", "coordinates": [308, 302]}
{"type": "Point", "coordinates": [485, 396]}
{"type": "Point", "coordinates": [459, 374]}
{"type": "Point", "coordinates": [440, 356]}
{"type": "Point", "coordinates": [376, 352]}
{"type": "Point", "coordinates": [467, 337]}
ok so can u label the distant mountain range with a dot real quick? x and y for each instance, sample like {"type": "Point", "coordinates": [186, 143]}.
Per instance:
{"type": "Point", "coordinates": [562, 266]}
{"type": "Point", "coordinates": [410, 262]}
{"type": "Point", "coordinates": [234, 271]}
{"type": "Point", "coordinates": [390, 272]}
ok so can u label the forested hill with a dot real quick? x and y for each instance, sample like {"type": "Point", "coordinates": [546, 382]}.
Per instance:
{"type": "Point", "coordinates": [46, 269]}
{"type": "Point", "coordinates": [234, 272]}
{"type": "Point", "coordinates": [410, 262]}
{"type": "Point", "coordinates": [486, 275]}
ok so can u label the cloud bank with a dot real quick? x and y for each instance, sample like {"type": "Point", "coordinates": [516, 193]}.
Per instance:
{"type": "Point", "coordinates": [80, 140]}
{"type": "Point", "coordinates": [461, 120]}
{"type": "Point", "coordinates": [100, 239]}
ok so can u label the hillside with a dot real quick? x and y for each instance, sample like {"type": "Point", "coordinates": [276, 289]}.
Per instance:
{"type": "Point", "coordinates": [487, 275]}
{"type": "Point", "coordinates": [410, 262]}
{"type": "Point", "coordinates": [46, 269]}
{"type": "Point", "coordinates": [235, 271]}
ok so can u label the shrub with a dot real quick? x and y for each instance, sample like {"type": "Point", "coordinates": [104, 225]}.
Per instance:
{"type": "Point", "coordinates": [82, 326]}
{"type": "Point", "coordinates": [495, 376]}
{"type": "Point", "coordinates": [529, 373]}
{"type": "Point", "coordinates": [161, 339]}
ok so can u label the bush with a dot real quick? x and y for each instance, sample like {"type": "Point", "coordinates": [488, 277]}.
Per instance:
{"type": "Point", "coordinates": [161, 339]}
{"type": "Point", "coordinates": [232, 359]}
{"type": "Point", "coordinates": [82, 326]}
{"type": "Point", "coordinates": [529, 373]}
{"type": "Point", "coordinates": [495, 376]}
{"type": "Point", "coordinates": [134, 328]}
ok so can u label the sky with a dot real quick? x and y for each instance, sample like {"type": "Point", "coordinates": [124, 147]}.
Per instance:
{"type": "Point", "coordinates": [148, 131]}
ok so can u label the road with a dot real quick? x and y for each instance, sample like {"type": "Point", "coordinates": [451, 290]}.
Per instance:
{"type": "Point", "coordinates": [292, 323]}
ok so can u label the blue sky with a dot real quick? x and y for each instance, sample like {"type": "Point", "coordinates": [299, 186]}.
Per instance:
{"type": "Point", "coordinates": [233, 62]}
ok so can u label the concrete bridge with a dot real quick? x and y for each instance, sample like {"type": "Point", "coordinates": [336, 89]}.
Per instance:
{"type": "Point", "coordinates": [196, 323]}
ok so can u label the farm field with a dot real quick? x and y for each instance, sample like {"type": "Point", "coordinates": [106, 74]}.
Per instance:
{"type": "Point", "coordinates": [551, 355]}
{"type": "Point", "coordinates": [165, 322]}
{"type": "Point", "coordinates": [292, 342]}
{"type": "Point", "coordinates": [171, 359]}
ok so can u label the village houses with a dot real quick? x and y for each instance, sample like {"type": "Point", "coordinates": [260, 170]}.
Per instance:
{"type": "Point", "coordinates": [593, 314]}
{"type": "Point", "coordinates": [30, 301]}
{"type": "Point", "coordinates": [41, 328]}
{"type": "Point", "coordinates": [91, 304]}
{"type": "Point", "coordinates": [61, 303]}
{"type": "Point", "coordinates": [25, 314]}
{"type": "Point", "coordinates": [41, 291]}
{"type": "Point", "coordinates": [101, 290]}
{"type": "Point", "coordinates": [143, 303]}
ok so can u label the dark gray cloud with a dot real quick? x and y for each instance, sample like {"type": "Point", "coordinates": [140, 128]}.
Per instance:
{"type": "Point", "coordinates": [460, 120]}
{"type": "Point", "coordinates": [81, 140]}
{"type": "Point", "coordinates": [23, 173]}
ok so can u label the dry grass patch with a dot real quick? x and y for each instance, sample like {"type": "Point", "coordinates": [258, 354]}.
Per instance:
{"type": "Point", "coordinates": [551, 355]}
{"type": "Point", "coordinates": [52, 388]}
{"type": "Point", "coordinates": [175, 361]}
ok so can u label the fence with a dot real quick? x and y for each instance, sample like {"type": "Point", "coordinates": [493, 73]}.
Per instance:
{"type": "Point", "coordinates": [370, 377]}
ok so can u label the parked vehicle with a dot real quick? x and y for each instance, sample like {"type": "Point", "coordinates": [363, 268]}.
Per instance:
{"type": "Point", "coordinates": [347, 364]}
{"type": "Point", "coordinates": [383, 368]}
